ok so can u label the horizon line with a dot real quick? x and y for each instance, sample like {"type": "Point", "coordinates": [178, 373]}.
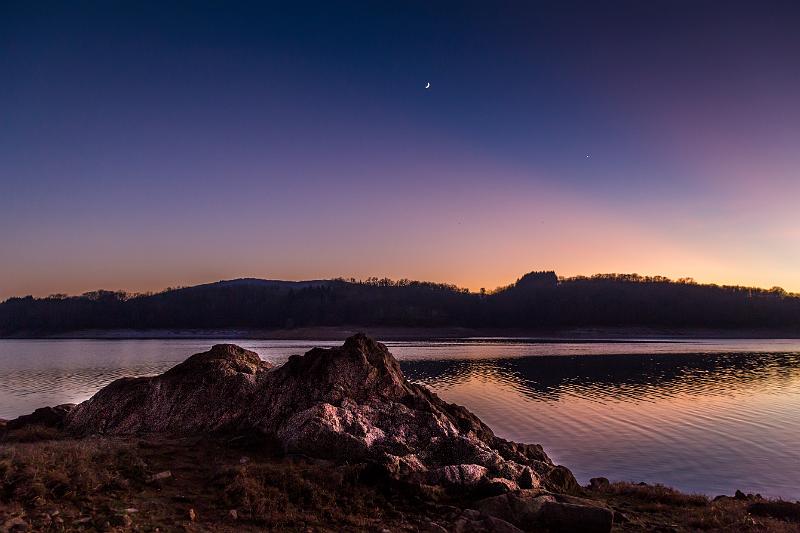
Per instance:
{"type": "Point", "coordinates": [633, 278]}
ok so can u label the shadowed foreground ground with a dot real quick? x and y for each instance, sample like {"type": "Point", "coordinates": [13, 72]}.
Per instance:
{"type": "Point", "coordinates": [110, 484]}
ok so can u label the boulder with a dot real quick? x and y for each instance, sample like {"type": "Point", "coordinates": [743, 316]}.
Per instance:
{"type": "Point", "coordinates": [471, 521]}
{"type": "Point", "coordinates": [528, 480]}
{"type": "Point", "coordinates": [782, 510]}
{"type": "Point", "coordinates": [52, 417]}
{"type": "Point", "coordinates": [560, 479]}
{"type": "Point", "coordinates": [521, 508]}
{"type": "Point", "coordinates": [500, 485]}
{"type": "Point", "coordinates": [533, 510]}
{"type": "Point", "coordinates": [207, 392]}
{"type": "Point", "coordinates": [350, 403]}
{"type": "Point", "coordinates": [559, 516]}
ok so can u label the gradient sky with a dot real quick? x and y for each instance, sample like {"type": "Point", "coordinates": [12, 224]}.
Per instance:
{"type": "Point", "coordinates": [145, 145]}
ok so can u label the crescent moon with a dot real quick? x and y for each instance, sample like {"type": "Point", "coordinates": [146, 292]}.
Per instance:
{"type": "Point", "coordinates": [428, 85]}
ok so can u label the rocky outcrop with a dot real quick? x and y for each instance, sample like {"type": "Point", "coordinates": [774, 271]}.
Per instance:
{"type": "Point", "coordinates": [207, 392]}
{"type": "Point", "coordinates": [52, 417]}
{"type": "Point", "coordinates": [348, 403]}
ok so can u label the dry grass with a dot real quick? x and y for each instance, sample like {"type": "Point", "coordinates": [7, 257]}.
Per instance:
{"type": "Point", "coordinates": [32, 433]}
{"type": "Point", "coordinates": [654, 507]}
{"type": "Point", "coordinates": [94, 483]}
{"type": "Point", "coordinates": [89, 483]}
{"type": "Point", "coordinates": [33, 473]}
{"type": "Point", "coordinates": [733, 515]}
{"type": "Point", "coordinates": [655, 495]}
{"type": "Point", "coordinates": [278, 495]}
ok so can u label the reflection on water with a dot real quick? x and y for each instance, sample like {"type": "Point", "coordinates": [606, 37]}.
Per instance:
{"type": "Point", "coordinates": [707, 416]}
{"type": "Point", "coordinates": [702, 422]}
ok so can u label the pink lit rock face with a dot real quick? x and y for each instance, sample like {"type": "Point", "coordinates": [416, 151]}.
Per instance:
{"type": "Point", "coordinates": [349, 403]}
{"type": "Point", "coordinates": [206, 392]}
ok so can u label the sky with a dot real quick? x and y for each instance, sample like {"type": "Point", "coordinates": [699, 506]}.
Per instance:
{"type": "Point", "coordinates": [146, 145]}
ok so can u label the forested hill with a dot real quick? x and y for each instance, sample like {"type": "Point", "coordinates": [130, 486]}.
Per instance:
{"type": "Point", "coordinates": [539, 300]}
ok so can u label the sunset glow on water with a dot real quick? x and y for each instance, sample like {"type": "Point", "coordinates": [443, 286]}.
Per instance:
{"type": "Point", "coordinates": [705, 415]}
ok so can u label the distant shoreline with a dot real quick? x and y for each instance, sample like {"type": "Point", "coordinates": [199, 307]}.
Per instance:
{"type": "Point", "coordinates": [414, 333]}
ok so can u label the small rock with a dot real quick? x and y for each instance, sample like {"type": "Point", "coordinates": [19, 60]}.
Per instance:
{"type": "Point", "coordinates": [433, 527]}
{"type": "Point", "coordinates": [499, 485]}
{"type": "Point", "coordinates": [561, 480]}
{"type": "Point", "coordinates": [527, 480]}
{"type": "Point", "coordinates": [464, 475]}
{"type": "Point", "coordinates": [122, 520]}
{"type": "Point", "coordinates": [15, 524]}
{"type": "Point", "coordinates": [233, 514]}
{"type": "Point", "coordinates": [598, 483]}
{"type": "Point", "coordinates": [244, 460]}
{"type": "Point", "coordinates": [781, 510]}
{"type": "Point", "coordinates": [161, 475]}
{"type": "Point", "coordinates": [471, 521]}
{"type": "Point", "coordinates": [192, 515]}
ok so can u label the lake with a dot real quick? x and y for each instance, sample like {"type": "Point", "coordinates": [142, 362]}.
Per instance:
{"type": "Point", "coordinates": [708, 416]}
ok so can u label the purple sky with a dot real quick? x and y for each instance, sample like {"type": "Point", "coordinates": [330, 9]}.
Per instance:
{"type": "Point", "coordinates": [148, 145]}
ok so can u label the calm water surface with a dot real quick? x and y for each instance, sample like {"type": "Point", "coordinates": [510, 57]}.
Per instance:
{"type": "Point", "coordinates": [705, 416]}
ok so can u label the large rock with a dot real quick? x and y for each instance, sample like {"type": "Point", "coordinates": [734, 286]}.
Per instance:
{"type": "Point", "coordinates": [52, 417]}
{"type": "Point", "coordinates": [578, 518]}
{"type": "Point", "coordinates": [348, 403]}
{"type": "Point", "coordinates": [207, 392]}
{"type": "Point", "coordinates": [471, 521]}
{"type": "Point", "coordinates": [535, 511]}
{"type": "Point", "coordinates": [521, 508]}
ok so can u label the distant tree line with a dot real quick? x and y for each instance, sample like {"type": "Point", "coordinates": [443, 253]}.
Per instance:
{"type": "Point", "coordinates": [536, 300]}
